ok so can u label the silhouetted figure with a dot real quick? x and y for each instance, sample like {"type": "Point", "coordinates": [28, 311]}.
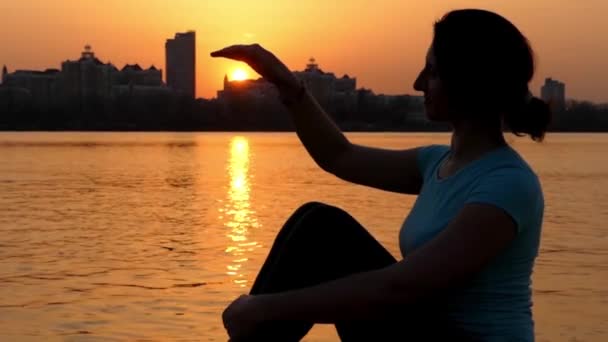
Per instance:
{"type": "Point", "coordinates": [469, 243]}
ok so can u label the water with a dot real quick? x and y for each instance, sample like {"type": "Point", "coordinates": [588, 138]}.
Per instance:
{"type": "Point", "coordinates": [114, 236]}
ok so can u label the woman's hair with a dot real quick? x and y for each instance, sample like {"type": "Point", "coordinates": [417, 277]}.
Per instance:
{"type": "Point", "coordinates": [485, 64]}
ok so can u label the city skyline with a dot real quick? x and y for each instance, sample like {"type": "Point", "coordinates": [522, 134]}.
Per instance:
{"type": "Point", "coordinates": [383, 44]}
{"type": "Point", "coordinates": [92, 94]}
{"type": "Point", "coordinates": [181, 78]}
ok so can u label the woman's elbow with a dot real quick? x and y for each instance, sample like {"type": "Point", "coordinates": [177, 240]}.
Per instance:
{"type": "Point", "coordinates": [332, 162]}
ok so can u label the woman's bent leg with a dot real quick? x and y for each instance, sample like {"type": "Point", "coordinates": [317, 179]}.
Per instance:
{"type": "Point", "coordinates": [317, 244]}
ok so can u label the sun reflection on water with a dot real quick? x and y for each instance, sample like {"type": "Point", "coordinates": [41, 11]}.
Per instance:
{"type": "Point", "coordinates": [238, 215]}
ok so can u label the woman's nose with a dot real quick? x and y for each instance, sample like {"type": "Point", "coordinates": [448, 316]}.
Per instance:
{"type": "Point", "coordinates": [419, 83]}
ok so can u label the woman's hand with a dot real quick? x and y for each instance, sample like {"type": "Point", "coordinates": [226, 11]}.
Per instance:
{"type": "Point", "coordinates": [264, 63]}
{"type": "Point", "coordinates": [242, 317]}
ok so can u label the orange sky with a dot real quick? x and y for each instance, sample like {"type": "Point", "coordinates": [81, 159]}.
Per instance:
{"type": "Point", "coordinates": [381, 42]}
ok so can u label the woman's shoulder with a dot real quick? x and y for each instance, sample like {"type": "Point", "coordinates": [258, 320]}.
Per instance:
{"type": "Point", "coordinates": [512, 185]}
{"type": "Point", "coordinates": [509, 175]}
{"type": "Point", "coordinates": [510, 162]}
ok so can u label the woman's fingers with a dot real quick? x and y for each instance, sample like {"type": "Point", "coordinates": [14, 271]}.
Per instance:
{"type": "Point", "coordinates": [231, 52]}
{"type": "Point", "coordinates": [236, 52]}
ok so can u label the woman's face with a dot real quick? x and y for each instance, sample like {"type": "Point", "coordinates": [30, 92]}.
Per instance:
{"type": "Point", "coordinates": [428, 82]}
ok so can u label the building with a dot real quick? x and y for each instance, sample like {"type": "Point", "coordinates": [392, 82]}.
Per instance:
{"type": "Point", "coordinates": [42, 86]}
{"type": "Point", "coordinates": [338, 95]}
{"type": "Point", "coordinates": [324, 85]}
{"type": "Point", "coordinates": [133, 74]}
{"type": "Point", "coordinates": [133, 81]}
{"type": "Point", "coordinates": [87, 79]}
{"type": "Point", "coordinates": [84, 84]}
{"type": "Point", "coordinates": [90, 81]}
{"type": "Point", "coordinates": [180, 53]}
{"type": "Point", "coordinates": [411, 106]}
{"type": "Point", "coordinates": [554, 93]}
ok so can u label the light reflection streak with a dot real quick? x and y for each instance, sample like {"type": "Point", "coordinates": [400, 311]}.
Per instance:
{"type": "Point", "coordinates": [237, 212]}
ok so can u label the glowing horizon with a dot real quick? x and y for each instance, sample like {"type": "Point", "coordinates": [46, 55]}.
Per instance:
{"type": "Point", "coordinates": [381, 43]}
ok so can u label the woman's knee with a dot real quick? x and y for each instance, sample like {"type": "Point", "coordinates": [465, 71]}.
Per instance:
{"type": "Point", "coordinates": [312, 210]}
{"type": "Point", "coordinates": [316, 215]}
{"type": "Point", "coordinates": [319, 209]}
{"type": "Point", "coordinates": [308, 210]}
{"type": "Point", "coordinates": [307, 207]}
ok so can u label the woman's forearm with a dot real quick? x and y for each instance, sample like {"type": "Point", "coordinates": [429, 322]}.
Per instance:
{"type": "Point", "coordinates": [363, 296]}
{"type": "Point", "coordinates": [445, 262]}
{"type": "Point", "coordinates": [319, 134]}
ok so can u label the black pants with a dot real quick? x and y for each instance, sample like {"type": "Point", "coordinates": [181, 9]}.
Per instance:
{"type": "Point", "coordinates": [319, 243]}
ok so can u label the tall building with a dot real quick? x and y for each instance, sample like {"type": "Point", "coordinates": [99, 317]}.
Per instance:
{"type": "Point", "coordinates": [4, 73]}
{"type": "Point", "coordinates": [180, 53]}
{"type": "Point", "coordinates": [554, 93]}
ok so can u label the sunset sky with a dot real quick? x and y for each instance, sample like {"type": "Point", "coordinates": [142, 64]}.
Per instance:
{"type": "Point", "coordinates": [381, 42]}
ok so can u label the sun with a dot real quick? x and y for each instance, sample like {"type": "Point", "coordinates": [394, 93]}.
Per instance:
{"type": "Point", "coordinates": [239, 75]}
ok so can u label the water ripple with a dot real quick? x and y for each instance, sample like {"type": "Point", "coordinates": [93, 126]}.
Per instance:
{"type": "Point", "coordinates": [149, 236]}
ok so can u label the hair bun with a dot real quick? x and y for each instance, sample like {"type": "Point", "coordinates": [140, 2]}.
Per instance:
{"type": "Point", "coordinates": [533, 119]}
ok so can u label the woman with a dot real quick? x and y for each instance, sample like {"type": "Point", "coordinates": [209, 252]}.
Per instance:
{"type": "Point", "coordinates": [470, 241]}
